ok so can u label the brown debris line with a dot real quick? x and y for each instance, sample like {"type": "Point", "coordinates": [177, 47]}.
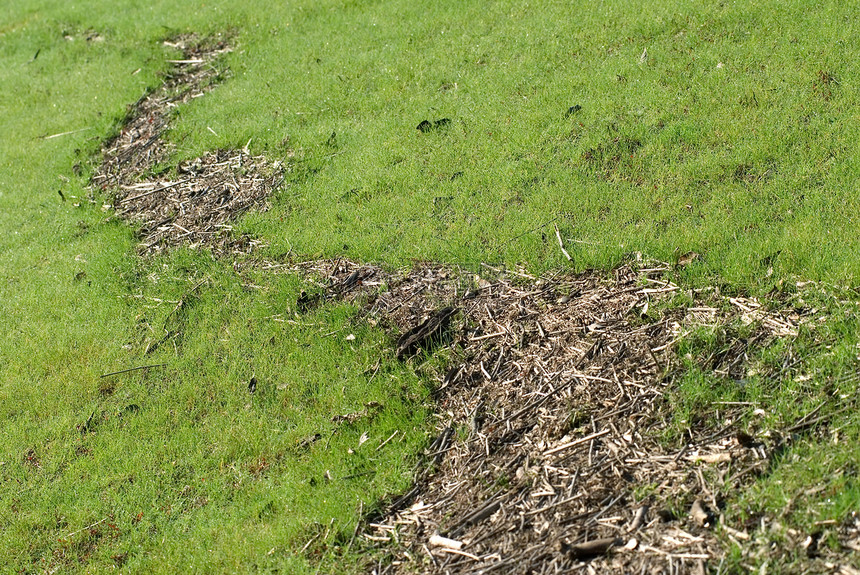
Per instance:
{"type": "Point", "coordinates": [207, 193]}
{"type": "Point", "coordinates": [548, 457]}
{"type": "Point", "coordinates": [195, 209]}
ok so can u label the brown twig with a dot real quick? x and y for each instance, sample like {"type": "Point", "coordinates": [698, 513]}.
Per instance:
{"type": "Point", "coordinates": [133, 369]}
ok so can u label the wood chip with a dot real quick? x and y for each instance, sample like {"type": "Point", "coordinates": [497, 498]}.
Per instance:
{"type": "Point", "coordinates": [592, 548]}
{"type": "Point", "coordinates": [437, 540]}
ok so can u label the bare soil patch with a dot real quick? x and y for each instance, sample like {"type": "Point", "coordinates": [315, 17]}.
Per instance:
{"type": "Point", "coordinates": [195, 205]}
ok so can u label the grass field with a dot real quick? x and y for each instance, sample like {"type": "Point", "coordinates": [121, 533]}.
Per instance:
{"type": "Point", "coordinates": [664, 128]}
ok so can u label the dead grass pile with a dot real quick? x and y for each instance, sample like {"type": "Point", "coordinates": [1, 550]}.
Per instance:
{"type": "Point", "coordinates": [195, 206]}
{"type": "Point", "coordinates": [551, 454]}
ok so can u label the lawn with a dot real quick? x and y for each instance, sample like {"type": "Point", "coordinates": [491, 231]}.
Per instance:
{"type": "Point", "coordinates": [665, 128]}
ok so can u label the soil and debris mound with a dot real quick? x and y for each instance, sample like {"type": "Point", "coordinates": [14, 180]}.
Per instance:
{"type": "Point", "coordinates": [196, 205]}
{"type": "Point", "coordinates": [551, 454]}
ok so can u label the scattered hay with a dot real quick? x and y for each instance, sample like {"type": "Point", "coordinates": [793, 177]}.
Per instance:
{"type": "Point", "coordinates": [196, 206]}
{"type": "Point", "coordinates": [548, 455]}
{"type": "Point", "coordinates": [551, 454]}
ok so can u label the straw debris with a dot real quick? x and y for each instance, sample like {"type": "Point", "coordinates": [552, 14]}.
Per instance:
{"type": "Point", "coordinates": [195, 205]}
{"type": "Point", "coordinates": [548, 456]}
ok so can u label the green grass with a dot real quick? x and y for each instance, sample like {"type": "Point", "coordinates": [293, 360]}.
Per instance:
{"type": "Point", "coordinates": [809, 485]}
{"type": "Point", "coordinates": [185, 453]}
{"type": "Point", "coordinates": [666, 156]}
{"type": "Point", "coordinates": [735, 138]}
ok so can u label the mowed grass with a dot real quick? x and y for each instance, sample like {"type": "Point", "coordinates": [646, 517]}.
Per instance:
{"type": "Point", "coordinates": [727, 130]}
{"type": "Point", "coordinates": [182, 465]}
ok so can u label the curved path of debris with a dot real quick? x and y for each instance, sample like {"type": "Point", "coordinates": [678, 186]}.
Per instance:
{"type": "Point", "coordinates": [548, 456]}
{"type": "Point", "coordinates": [195, 206]}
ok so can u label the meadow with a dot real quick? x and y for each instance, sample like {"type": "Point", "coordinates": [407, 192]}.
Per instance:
{"type": "Point", "coordinates": [665, 128]}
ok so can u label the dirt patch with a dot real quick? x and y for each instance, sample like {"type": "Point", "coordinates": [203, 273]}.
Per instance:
{"type": "Point", "coordinates": [196, 204]}
{"type": "Point", "coordinates": [551, 452]}
{"type": "Point", "coordinates": [611, 160]}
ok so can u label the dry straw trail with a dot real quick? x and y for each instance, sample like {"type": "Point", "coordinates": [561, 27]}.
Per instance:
{"type": "Point", "coordinates": [195, 208]}
{"type": "Point", "coordinates": [548, 455]}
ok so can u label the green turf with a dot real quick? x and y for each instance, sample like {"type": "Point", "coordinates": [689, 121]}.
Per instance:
{"type": "Point", "coordinates": [665, 156]}
{"type": "Point", "coordinates": [728, 130]}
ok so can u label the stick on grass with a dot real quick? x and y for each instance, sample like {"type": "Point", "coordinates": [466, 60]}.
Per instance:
{"type": "Point", "coordinates": [133, 369]}
{"type": "Point", "coordinates": [561, 243]}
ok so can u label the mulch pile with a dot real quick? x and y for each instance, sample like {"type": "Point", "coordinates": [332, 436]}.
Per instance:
{"type": "Point", "coordinates": [549, 456]}
{"type": "Point", "coordinates": [194, 206]}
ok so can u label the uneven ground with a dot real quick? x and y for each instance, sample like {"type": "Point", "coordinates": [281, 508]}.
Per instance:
{"type": "Point", "coordinates": [246, 393]}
